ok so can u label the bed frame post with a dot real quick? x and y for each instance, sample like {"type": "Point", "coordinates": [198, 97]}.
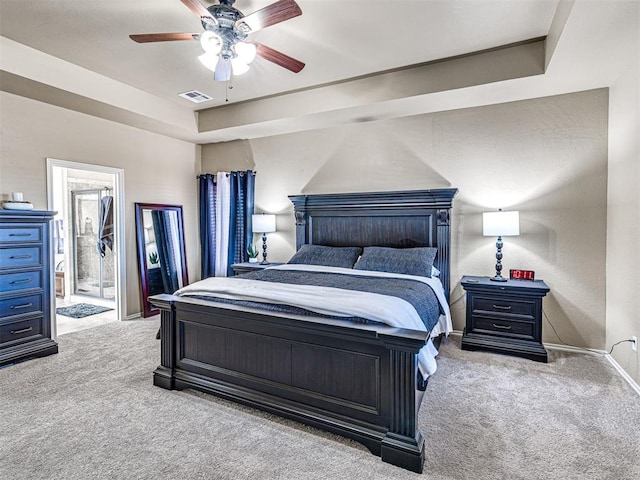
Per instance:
{"type": "Point", "coordinates": [444, 244]}
{"type": "Point", "coordinates": [301, 228]}
{"type": "Point", "coordinates": [403, 444]}
{"type": "Point", "coordinates": [163, 375]}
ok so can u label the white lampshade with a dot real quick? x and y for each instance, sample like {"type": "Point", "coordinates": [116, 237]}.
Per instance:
{"type": "Point", "coordinates": [210, 42]}
{"type": "Point", "coordinates": [246, 52]}
{"type": "Point", "coordinates": [209, 60]}
{"type": "Point", "coordinates": [500, 224]}
{"type": "Point", "coordinates": [263, 223]}
{"type": "Point", "coordinates": [239, 67]}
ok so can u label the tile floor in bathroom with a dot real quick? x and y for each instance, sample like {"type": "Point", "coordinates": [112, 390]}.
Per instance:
{"type": "Point", "coordinates": [68, 324]}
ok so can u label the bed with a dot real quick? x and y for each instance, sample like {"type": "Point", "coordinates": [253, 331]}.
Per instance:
{"type": "Point", "coordinates": [356, 379]}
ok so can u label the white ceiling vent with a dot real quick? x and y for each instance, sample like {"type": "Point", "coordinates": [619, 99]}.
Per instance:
{"type": "Point", "coordinates": [195, 96]}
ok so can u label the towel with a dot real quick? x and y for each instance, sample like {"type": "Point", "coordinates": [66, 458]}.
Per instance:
{"type": "Point", "coordinates": [105, 227]}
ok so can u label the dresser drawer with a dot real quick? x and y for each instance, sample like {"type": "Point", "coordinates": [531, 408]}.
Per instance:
{"type": "Point", "coordinates": [20, 234]}
{"type": "Point", "coordinates": [20, 305]}
{"type": "Point", "coordinates": [14, 282]}
{"type": "Point", "coordinates": [20, 257]}
{"type": "Point", "coordinates": [503, 327]}
{"type": "Point", "coordinates": [23, 329]}
{"type": "Point", "coordinates": [503, 305]}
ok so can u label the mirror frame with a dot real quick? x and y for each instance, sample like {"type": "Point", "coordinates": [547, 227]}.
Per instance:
{"type": "Point", "coordinates": [147, 309]}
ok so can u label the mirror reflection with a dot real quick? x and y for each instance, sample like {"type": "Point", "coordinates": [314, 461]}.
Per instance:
{"type": "Point", "coordinates": [161, 251]}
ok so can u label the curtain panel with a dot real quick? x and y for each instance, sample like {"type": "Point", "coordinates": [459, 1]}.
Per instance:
{"type": "Point", "coordinates": [226, 205]}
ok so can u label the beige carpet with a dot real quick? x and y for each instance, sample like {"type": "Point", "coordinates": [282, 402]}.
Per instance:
{"type": "Point", "coordinates": [92, 412]}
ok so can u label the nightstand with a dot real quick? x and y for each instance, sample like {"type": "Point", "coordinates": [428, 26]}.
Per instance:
{"type": "Point", "coordinates": [505, 317]}
{"type": "Point", "coordinates": [245, 267]}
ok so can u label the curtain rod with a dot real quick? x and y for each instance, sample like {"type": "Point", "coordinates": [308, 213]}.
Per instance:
{"type": "Point", "coordinates": [239, 172]}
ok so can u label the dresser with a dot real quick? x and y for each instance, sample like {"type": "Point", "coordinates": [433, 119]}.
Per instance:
{"type": "Point", "coordinates": [26, 285]}
{"type": "Point", "coordinates": [504, 317]}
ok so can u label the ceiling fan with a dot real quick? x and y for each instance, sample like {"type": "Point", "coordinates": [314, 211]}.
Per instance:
{"type": "Point", "coordinates": [226, 31]}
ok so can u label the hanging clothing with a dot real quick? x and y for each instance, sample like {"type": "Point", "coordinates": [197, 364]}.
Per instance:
{"type": "Point", "coordinates": [226, 206]}
{"type": "Point", "coordinates": [105, 227]}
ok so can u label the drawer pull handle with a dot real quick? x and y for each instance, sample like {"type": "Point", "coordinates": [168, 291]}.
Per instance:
{"type": "Point", "coordinates": [502, 307]}
{"type": "Point", "coordinates": [19, 234]}
{"type": "Point", "coordinates": [503, 327]}
{"type": "Point", "coordinates": [15, 257]}
{"type": "Point", "coordinates": [26, 280]}
{"type": "Point", "coordinates": [25, 305]}
{"type": "Point", "coordinates": [24, 330]}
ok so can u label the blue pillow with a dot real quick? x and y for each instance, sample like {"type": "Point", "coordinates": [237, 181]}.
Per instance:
{"type": "Point", "coordinates": [343, 257]}
{"type": "Point", "coordinates": [408, 261]}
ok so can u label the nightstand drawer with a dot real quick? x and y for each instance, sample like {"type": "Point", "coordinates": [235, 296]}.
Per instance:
{"type": "Point", "coordinates": [20, 305]}
{"type": "Point", "coordinates": [503, 326]}
{"type": "Point", "coordinates": [503, 305]}
{"type": "Point", "coordinates": [13, 282]}
{"type": "Point", "coordinates": [20, 257]}
{"type": "Point", "coordinates": [20, 234]}
{"type": "Point", "coordinates": [19, 330]}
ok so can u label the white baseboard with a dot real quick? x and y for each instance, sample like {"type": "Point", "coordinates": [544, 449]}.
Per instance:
{"type": "Point", "coordinates": [133, 316]}
{"type": "Point", "coordinates": [591, 351]}
{"type": "Point", "coordinates": [571, 348]}
{"type": "Point", "coordinates": [622, 373]}
{"type": "Point", "coordinates": [587, 351]}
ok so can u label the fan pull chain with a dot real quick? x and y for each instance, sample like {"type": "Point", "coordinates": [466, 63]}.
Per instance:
{"type": "Point", "coordinates": [226, 91]}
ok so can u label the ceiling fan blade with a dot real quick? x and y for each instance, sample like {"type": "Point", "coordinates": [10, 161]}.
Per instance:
{"type": "Point", "coordinates": [196, 7]}
{"type": "Point", "coordinates": [270, 15]}
{"type": "Point", "coordinates": [163, 37]}
{"type": "Point", "coordinates": [278, 58]}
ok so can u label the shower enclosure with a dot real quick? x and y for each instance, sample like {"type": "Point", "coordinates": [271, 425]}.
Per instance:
{"type": "Point", "coordinates": [93, 273]}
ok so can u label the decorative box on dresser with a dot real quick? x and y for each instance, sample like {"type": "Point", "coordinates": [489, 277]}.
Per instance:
{"type": "Point", "coordinates": [26, 285]}
{"type": "Point", "coordinates": [505, 317]}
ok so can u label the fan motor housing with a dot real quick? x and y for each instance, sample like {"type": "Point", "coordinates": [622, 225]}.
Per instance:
{"type": "Point", "coordinates": [225, 27]}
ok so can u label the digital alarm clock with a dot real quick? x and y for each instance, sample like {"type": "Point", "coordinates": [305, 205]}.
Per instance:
{"type": "Point", "coordinates": [517, 274]}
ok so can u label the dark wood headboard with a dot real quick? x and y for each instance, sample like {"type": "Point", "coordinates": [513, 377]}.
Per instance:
{"type": "Point", "coordinates": [415, 218]}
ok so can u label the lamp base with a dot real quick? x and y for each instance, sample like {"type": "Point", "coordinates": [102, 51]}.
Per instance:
{"type": "Point", "coordinates": [498, 278]}
{"type": "Point", "coordinates": [264, 262]}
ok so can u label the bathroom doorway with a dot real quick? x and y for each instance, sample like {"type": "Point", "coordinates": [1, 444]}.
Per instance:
{"type": "Point", "coordinates": [88, 242]}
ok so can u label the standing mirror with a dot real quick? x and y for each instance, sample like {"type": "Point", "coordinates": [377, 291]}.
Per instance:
{"type": "Point", "coordinates": [161, 254]}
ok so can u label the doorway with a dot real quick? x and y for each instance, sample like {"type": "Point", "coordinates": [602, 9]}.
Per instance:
{"type": "Point", "coordinates": [90, 266]}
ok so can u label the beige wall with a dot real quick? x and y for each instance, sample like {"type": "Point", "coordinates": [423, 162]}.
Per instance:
{"type": "Point", "coordinates": [157, 169]}
{"type": "Point", "coordinates": [623, 229]}
{"type": "Point", "coordinates": [546, 158]}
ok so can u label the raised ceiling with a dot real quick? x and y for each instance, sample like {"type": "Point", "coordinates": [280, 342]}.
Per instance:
{"type": "Point", "coordinates": [77, 54]}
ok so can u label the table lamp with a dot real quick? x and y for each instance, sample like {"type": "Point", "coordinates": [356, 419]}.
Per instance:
{"type": "Point", "coordinates": [500, 224]}
{"type": "Point", "coordinates": [265, 223]}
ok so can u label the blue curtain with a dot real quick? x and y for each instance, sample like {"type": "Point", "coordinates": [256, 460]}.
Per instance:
{"type": "Point", "coordinates": [166, 250]}
{"type": "Point", "coordinates": [241, 192]}
{"type": "Point", "coordinates": [207, 200]}
{"type": "Point", "coordinates": [242, 187]}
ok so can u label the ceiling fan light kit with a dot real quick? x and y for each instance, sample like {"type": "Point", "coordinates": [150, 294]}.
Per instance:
{"type": "Point", "coordinates": [225, 31]}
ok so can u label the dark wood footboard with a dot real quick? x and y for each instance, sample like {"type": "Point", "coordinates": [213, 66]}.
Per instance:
{"type": "Point", "coordinates": [355, 380]}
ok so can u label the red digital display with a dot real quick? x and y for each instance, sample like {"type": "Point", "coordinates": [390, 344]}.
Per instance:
{"type": "Point", "coordinates": [516, 274]}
